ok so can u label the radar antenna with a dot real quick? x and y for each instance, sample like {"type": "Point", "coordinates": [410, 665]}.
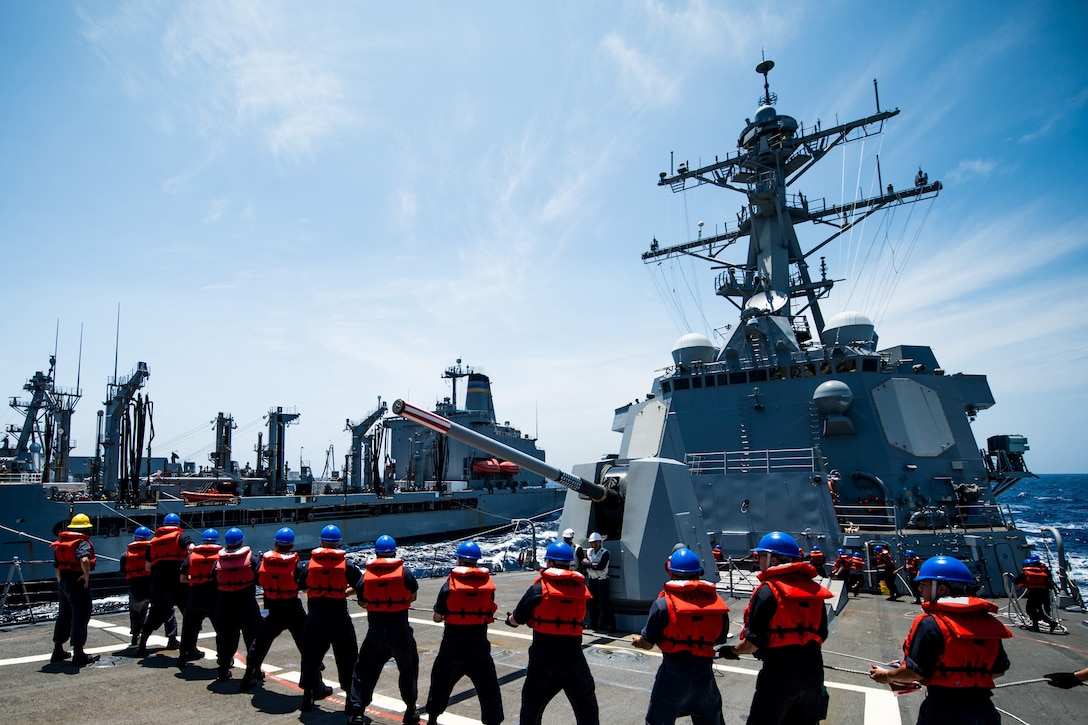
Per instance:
{"type": "Point", "coordinates": [769, 99]}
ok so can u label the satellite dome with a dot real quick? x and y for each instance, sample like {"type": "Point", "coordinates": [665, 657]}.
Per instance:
{"type": "Point", "coordinates": [848, 328]}
{"type": "Point", "coordinates": [833, 397]}
{"type": "Point", "coordinates": [693, 348]}
{"type": "Point", "coordinates": [765, 113]}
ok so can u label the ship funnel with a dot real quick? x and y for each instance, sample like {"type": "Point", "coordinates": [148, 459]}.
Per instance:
{"type": "Point", "coordinates": [478, 395]}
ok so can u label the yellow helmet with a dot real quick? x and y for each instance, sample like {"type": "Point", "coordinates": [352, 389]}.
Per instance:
{"type": "Point", "coordinates": [80, 521]}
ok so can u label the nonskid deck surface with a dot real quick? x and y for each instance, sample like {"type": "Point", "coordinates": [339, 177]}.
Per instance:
{"type": "Point", "coordinates": [122, 689]}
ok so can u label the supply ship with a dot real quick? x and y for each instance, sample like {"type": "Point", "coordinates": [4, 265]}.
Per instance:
{"type": "Point", "coordinates": [421, 487]}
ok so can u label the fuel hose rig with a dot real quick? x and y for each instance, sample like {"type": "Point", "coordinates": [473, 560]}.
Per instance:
{"type": "Point", "coordinates": [642, 507]}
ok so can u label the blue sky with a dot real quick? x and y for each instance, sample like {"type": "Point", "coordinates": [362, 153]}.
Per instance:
{"type": "Point", "coordinates": [314, 205]}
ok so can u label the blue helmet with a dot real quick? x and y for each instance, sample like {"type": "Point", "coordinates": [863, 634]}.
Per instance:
{"type": "Point", "coordinates": [142, 534]}
{"type": "Point", "coordinates": [559, 551]}
{"type": "Point", "coordinates": [1028, 562]}
{"type": "Point", "coordinates": [815, 548]}
{"type": "Point", "coordinates": [910, 552]}
{"type": "Point", "coordinates": [210, 535]}
{"type": "Point", "coordinates": [285, 536]}
{"type": "Point", "coordinates": [685, 561]}
{"type": "Point", "coordinates": [855, 555]}
{"type": "Point", "coordinates": [945, 569]}
{"type": "Point", "coordinates": [841, 551]}
{"type": "Point", "coordinates": [171, 520]}
{"type": "Point", "coordinates": [469, 550]}
{"type": "Point", "coordinates": [1035, 558]}
{"type": "Point", "coordinates": [780, 543]}
{"type": "Point", "coordinates": [234, 536]}
{"type": "Point", "coordinates": [385, 545]}
{"type": "Point", "coordinates": [331, 533]}
{"type": "Point", "coordinates": [878, 549]}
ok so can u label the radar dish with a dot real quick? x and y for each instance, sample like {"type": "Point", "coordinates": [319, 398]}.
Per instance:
{"type": "Point", "coordinates": [767, 302]}
{"type": "Point", "coordinates": [765, 66]}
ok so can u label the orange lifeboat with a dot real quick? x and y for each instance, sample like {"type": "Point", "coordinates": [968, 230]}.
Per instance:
{"type": "Point", "coordinates": [494, 466]}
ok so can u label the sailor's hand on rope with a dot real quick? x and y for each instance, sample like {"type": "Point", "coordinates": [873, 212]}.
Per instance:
{"type": "Point", "coordinates": [1064, 680]}
{"type": "Point", "coordinates": [727, 652]}
{"type": "Point", "coordinates": [510, 620]}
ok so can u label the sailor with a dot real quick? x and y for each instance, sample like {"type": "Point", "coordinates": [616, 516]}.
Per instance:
{"type": "Point", "coordinates": [328, 579]}
{"type": "Point", "coordinates": [911, 565]}
{"type": "Point", "coordinates": [278, 577]}
{"type": "Point", "coordinates": [716, 550]}
{"type": "Point", "coordinates": [73, 560]}
{"type": "Point", "coordinates": [466, 604]}
{"type": "Point", "coordinates": [1035, 578]}
{"type": "Point", "coordinates": [1067, 680]}
{"type": "Point", "coordinates": [168, 548]}
{"type": "Point", "coordinates": [133, 565]}
{"type": "Point", "coordinates": [785, 624]}
{"type": "Point", "coordinates": [595, 567]}
{"type": "Point", "coordinates": [686, 620]}
{"type": "Point", "coordinates": [856, 575]}
{"type": "Point", "coordinates": [579, 552]}
{"type": "Point", "coordinates": [236, 610]}
{"type": "Point", "coordinates": [841, 568]}
{"type": "Point", "coordinates": [198, 573]}
{"type": "Point", "coordinates": [818, 560]}
{"type": "Point", "coordinates": [886, 565]}
{"type": "Point", "coordinates": [953, 648]}
{"type": "Point", "coordinates": [386, 591]}
{"type": "Point", "coordinates": [554, 606]}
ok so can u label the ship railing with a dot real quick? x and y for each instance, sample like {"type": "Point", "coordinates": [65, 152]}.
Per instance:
{"type": "Point", "coordinates": [737, 580]}
{"type": "Point", "coordinates": [866, 517]}
{"type": "Point", "coordinates": [766, 461]}
{"type": "Point", "coordinates": [961, 517]}
{"type": "Point", "coordinates": [20, 478]}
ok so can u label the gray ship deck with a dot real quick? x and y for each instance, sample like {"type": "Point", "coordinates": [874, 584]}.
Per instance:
{"type": "Point", "coordinates": [121, 689]}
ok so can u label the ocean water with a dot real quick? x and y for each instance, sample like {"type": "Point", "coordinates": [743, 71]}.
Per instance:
{"type": "Point", "coordinates": [1058, 500]}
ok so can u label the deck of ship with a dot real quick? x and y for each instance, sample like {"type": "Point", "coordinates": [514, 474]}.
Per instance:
{"type": "Point", "coordinates": [122, 689]}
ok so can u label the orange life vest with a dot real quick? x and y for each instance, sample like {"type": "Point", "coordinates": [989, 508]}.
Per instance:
{"type": "Point", "coordinates": [64, 550]}
{"type": "Point", "coordinates": [697, 616]}
{"type": "Point", "coordinates": [972, 640]}
{"type": "Point", "coordinates": [202, 564]}
{"type": "Point", "coordinates": [563, 609]}
{"type": "Point", "coordinates": [842, 562]}
{"type": "Point", "coordinates": [472, 596]}
{"type": "Point", "coordinates": [136, 560]}
{"type": "Point", "coordinates": [1034, 577]}
{"type": "Point", "coordinates": [799, 599]}
{"type": "Point", "coordinates": [914, 565]}
{"type": "Point", "coordinates": [383, 586]}
{"type": "Point", "coordinates": [234, 570]}
{"type": "Point", "coordinates": [166, 545]}
{"type": "Point", "coordinates": [277, 574]}
{"type": "Point", "coordinates": [857, 563]}
{"type": "Point", "coordinates": [816, 558]}
{"type": "Point", "coordinates": [326, 574]}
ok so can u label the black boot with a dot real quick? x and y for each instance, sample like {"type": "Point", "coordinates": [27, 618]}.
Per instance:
{"type": "Point", "coordinates": [141, 646]}
{"type": "Point", "coordinates": [172, 643]}
{"type": "Point", "coordinates": [135, 639]}
{"type": "Point", "coordinates": [83, 659]}
{"type": "Point", "coordinates": [307, 700]}
{"type": "Point", "coordinates": [249, 680]}
{"type": "Point", "coordinates": [224, 674]}
{"type": "Point", "coordinates": [59, 654]}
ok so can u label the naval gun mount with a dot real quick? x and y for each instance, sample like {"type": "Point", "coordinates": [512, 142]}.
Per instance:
{"type": "Point", "coordinates": [641, 507]}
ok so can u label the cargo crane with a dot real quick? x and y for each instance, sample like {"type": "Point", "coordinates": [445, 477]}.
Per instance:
{"type": "Point", "coordinates": [120, 393]}
{"type": "Point", "coordinates": [362, 448]}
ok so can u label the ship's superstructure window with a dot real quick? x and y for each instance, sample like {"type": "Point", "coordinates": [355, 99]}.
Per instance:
{"type": "Point", "coordinates": [696, 382]}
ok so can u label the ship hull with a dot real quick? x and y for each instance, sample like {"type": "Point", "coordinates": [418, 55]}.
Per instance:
{"type": "Point", "coordinates": [29, 521]}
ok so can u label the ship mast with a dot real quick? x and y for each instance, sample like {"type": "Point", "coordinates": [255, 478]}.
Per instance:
{"type": "Point", "coordinates": [773, 287]}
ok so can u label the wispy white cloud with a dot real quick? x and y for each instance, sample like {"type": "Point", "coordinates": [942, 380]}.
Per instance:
{"type": "Point", "coordinates": [969, 168]}
{"type": "Point", "coordinates": [1071, 105]}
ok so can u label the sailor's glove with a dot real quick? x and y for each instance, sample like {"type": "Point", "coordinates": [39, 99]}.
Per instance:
{"type": "Point", "coordinates": [507, 621]}
{"type": "Point", "coordinates": [1064, 680]}
{"type": "Point", "coordinates": [726, 652]}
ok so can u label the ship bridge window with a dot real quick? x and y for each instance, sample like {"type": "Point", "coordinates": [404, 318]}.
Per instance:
{"type": "Point", "coordinates": [666, 386]}
{"type": "Point", "coordinates": [682, 384]}
{"type": "Point", "coordinates": [723, 379]}
{"type": "Point", "coordinates": [870, 365]}
{"type": "Point", "coordinates": [757, 376]}
{"type": "Point", "coordinates": [710, 381]}
{"type": "Point", "coordinates": [778, 373]}
{"type": "Point", "coordinates": [738, 378]}
{"type": "Point", "coordinates": [846, 366]}
{"type": "Point", "coordinates": [696, 382]}
{"type": "Point", "coordinates": [825, 367]}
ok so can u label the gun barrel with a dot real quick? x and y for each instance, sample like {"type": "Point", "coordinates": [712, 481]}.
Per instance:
{"type": "Point", "coordinates": [470, 437]}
